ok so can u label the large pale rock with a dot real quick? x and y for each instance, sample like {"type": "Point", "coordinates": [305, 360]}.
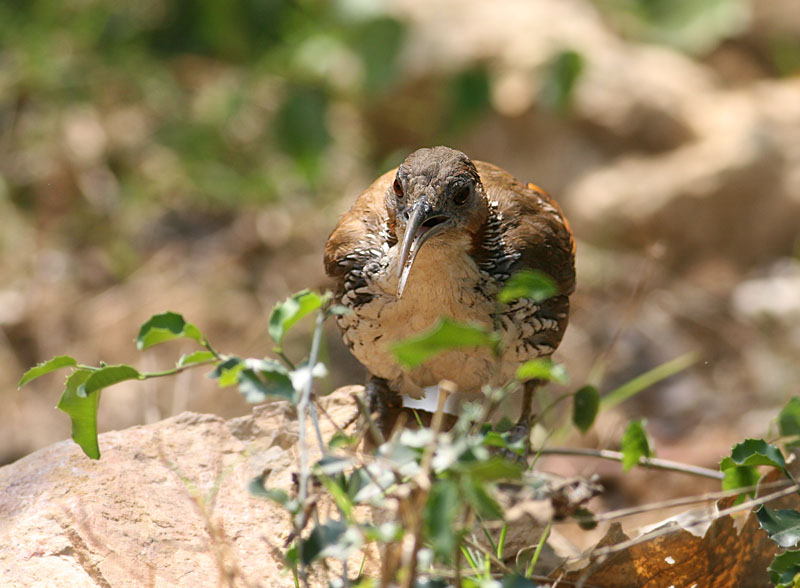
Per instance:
{"type": "Point", "coordinates": [166, 505]}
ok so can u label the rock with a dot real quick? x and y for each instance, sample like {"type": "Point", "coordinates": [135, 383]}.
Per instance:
{"type": "Point", "coordinates": [656, 149]}
{"type": "Point", "coordinates": [166, 505]}
{"type": "Point", "coordinates": [774, 297]}
{"type": "Point", "coordinates": [731, 191]}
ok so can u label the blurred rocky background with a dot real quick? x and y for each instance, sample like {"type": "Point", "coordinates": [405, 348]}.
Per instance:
{"type": "Point", "coordinates": [193, 156]}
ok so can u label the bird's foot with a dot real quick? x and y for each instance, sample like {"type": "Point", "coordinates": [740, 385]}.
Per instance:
{"type": "Point", "coordinates": [381, 408]}
{"type": "Point", "coordinates": [384, 404]}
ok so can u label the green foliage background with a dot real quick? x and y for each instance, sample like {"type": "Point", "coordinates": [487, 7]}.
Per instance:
{"type": "Point", "coordinates": [194, 154]}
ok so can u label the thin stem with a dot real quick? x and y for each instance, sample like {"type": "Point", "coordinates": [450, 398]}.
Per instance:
{"type": "Point", "coordinates": [460, 547]}
{"type": "Point", "coordinates": [175, 370]}
{"type": "Point", "coordinates": [682, 501]}
{"type": "Point", "coordinates": [205, 343]}
{"type": "Point", "coordinates": [302, 409]}
{"type": "Point", "coordinates": [315, 421]}
{"type": "Point", "coordinates": [279, 352]}
{"type": "Point", "coordinates": [649, 462]}
{"type": "Point", "coordinates": [748, 505]}
{"type": "Point", "coordinates": [647, 379]}
{"type": "Point", "coordinates": [555, 403]}
{"type": "Point", "coordinates": [501, 541]}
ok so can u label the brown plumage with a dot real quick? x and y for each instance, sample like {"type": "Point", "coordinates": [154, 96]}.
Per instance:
{"type": "Point", "coordinates": [439, 236]}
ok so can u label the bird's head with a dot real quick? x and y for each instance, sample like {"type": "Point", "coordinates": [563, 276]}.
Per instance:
{"type": "Point", "coordinates": [436, 194]}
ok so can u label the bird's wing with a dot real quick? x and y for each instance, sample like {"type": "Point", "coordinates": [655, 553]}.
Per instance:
{"type": "Point", "coordinates": [359, 229]}
{"type": "Point", "coordinates": [533, 227]}
{"type": "Point", "coordinates": [535, 236]}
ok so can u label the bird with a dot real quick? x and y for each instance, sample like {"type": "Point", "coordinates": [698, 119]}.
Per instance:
{"type": "Point", "coordinates": [436, 237]}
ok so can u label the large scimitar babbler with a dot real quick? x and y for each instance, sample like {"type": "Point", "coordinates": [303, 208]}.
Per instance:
{"type": "Point", "coordinates": [438, 237]}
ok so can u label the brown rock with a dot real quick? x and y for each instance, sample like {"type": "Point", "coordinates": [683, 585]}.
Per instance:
{"type": "Point", "coordinates": [166, 505]}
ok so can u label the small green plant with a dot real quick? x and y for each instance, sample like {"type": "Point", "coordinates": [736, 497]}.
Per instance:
{"type": "Point", "coordinates": [257, 378]}
{"type": "Point", "coordinates": [441, 500]}
{"type": "Point", "coordinates": [741, 472]}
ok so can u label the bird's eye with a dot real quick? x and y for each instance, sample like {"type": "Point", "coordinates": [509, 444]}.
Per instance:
{"type": "Point", "coordinates": [398, 188]}
{"type": "Point", "coordinates": [462, 194]}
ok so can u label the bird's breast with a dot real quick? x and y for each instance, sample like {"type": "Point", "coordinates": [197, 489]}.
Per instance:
{"type": "Point", "coordinates": [444, 282]}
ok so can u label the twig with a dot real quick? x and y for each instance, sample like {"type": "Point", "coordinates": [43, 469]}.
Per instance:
{"type": "Point", "coordinates": [675, 502]}
{"type": "Point", "coordinates": [748, 505]}
{"type": "Point", "coordinates": [302, 409]}
{"type": "Point", "coordinates": [647, 379]}
{"type": "Point", "coordinates": [374, 430]}
{"type": "Point", "coordinates": [649, 462]}
{"type": "Point", "coordinates": [315, 421]}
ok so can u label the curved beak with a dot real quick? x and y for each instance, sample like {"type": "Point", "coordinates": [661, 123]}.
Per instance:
{"type": "Point", "coordinates": [423, 224]}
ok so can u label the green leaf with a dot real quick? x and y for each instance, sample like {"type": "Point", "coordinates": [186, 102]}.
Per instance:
{"type": "Point", "coordinates": [339, 439]}
{"type": "Point", "coordinates": [257, 387]}
{"type": "Point", "coordinates": [285, 314]}
{"type": "Point", "coordinates": [369, 483]}
{"type": "Point", "coordinates": [542, 369]}
{"type": "Point", "coordinates": [586, 519]}
{"type": "Point", "coordinates": [754, 452]}
{"type": "Point", "coordinates": [82, 411]}
{"type": "Point", "coordinates": [256, 487]}
{"type": "Point", "coordinates": [470, 97]}
{"type": "Point", "coordinates": [518, 581]}
{"type": "Point", "coordinates": [292, 556]}
{"type": "Point", "coordinates": [782, 525]}
{"type": "Point", "coordinates": [201, 356]}
{"type": "Point", "coordinates": [339, 495]}
{"type": "Point", "coordinates": [740, 477]}
{"type": "Point", "coordinates": [227, 372]}
{"type": "Point", "coordinates": [378, 43]}
{"type": "Point", "coordinates": [784, 569]}
{"type": "Point", "coordinates": [530, 284]}
{"type": "Point", "coordinates": [300, 125]}
{"type": "Point", "coordinates": [559, 80]}
{"type": "Point", "coordinates": [108, 376]}
{"type": "Point", "coordinates": [584, 407]}
{"type": "Point", "coordinates": [332, 539]}
{"type": "Point", "coordinates": [635, 444]}
{"type": "Point", "coordinates": [444, 336]}
{"type": "Point", "coordinates": [440, 514]}
{"type": "Point", "coordinates": [330, 465]}
{"type": "Point", "coordinates": [165, 327]}
{"type": "Point", "coordinates": [789, 418]}
{"type": "Point", "coordinates": [46, 367]}
{"type": "Point", "coordinates": [495, 468]}
{"type": "Point", "coordinates": [504, 440]}
{"type": "Point", "coordinates": [480, 500]}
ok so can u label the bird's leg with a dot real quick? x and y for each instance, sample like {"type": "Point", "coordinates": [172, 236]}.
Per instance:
{"type": "Point", "coordinates": [522, 430]}
{"type": "Point", "coordinates": [383, 402]}
{"type": "Point", "coordinates": [380, 401]}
